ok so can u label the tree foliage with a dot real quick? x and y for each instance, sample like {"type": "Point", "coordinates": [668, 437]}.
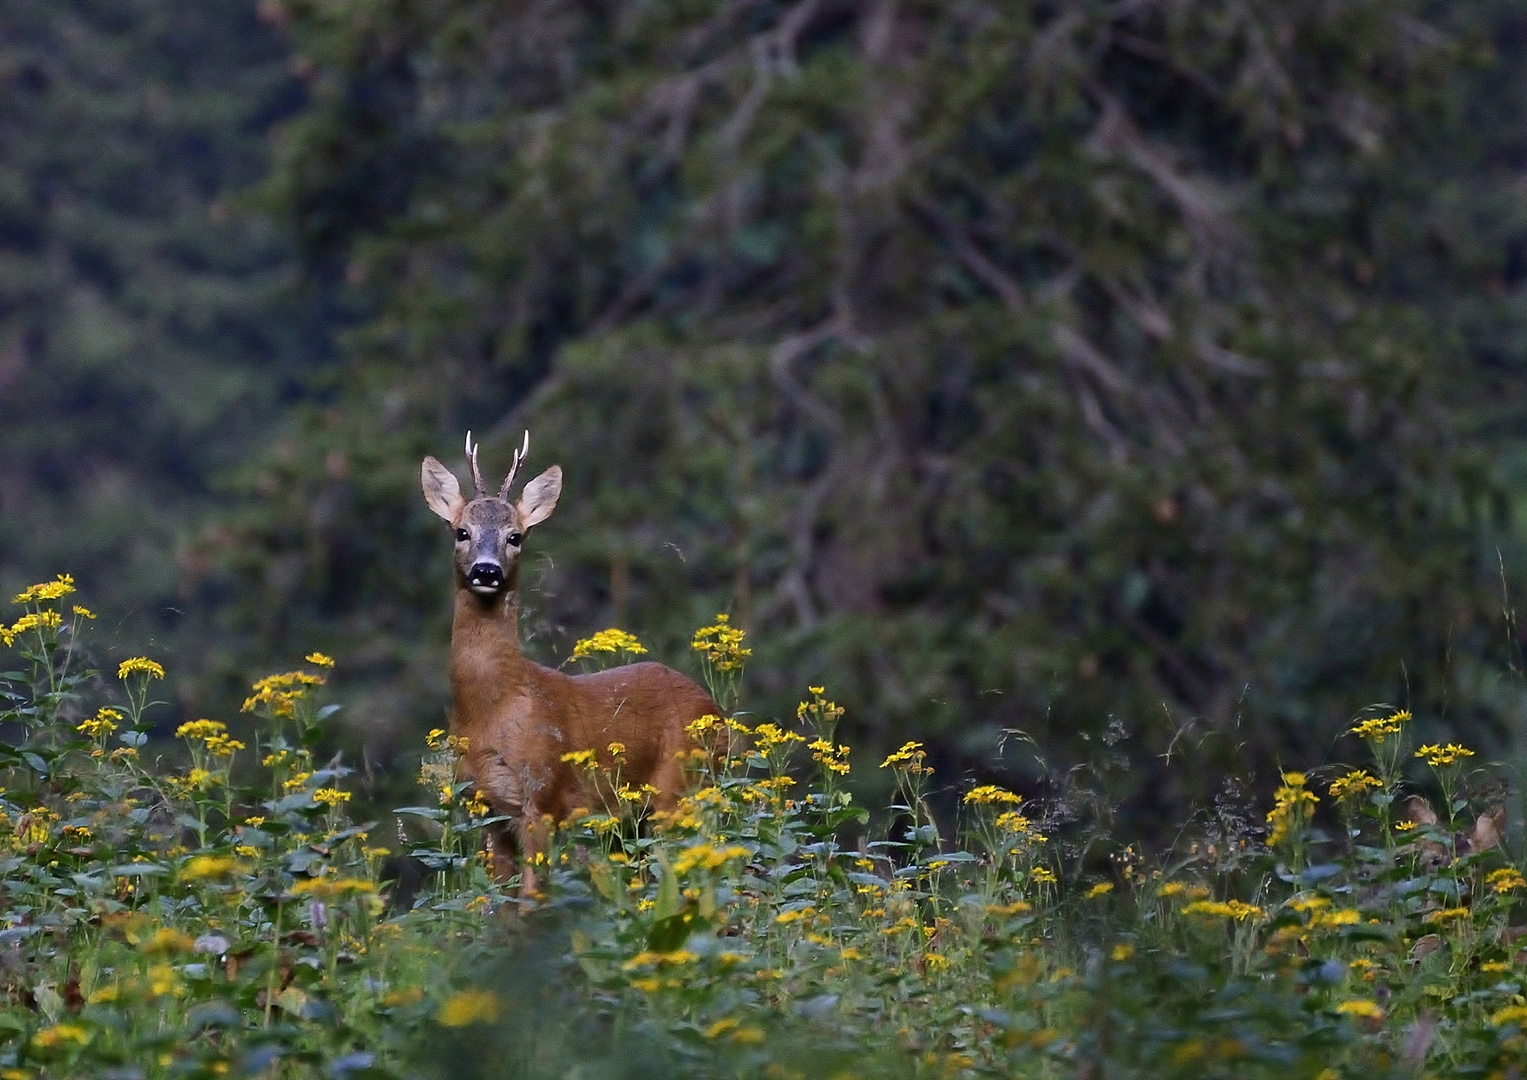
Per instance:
{"type": "Point", "coordinates": [148, 331]}
{"type": "Point", "coordinates": [1065, 367]}
{"type": "Point", "coordinates": [1017, 365]}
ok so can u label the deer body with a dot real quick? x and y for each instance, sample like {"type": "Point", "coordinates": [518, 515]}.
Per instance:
{"type": "Point", "coordinates": [519, 718]}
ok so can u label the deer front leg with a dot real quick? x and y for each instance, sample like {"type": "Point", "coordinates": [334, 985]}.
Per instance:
{"type": "Point", "coordinates": [502, 842]}
{"type": "Point", "coordinates": [535, 834]}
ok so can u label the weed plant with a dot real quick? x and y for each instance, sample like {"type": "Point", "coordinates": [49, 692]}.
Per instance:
{"type": "Point", "coordinates": [227, 917]}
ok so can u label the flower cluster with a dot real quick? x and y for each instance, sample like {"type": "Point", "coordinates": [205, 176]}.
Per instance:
{"type": "Point", "coordinates": [1377, 730]}
{"type": "Point", "coordinates": [708, 857]}
{"type": "Point", "coordinates": [101, 725]}
{"type": "Point", "coordinates": [1354, 785]}
{"type": "Point", "coordinates": [1292, 804]}
{"type": "Point", "coordinates": [1507, 879]}
{"type": "Point", "coordinates": [140, 665]}
{"type": "Point", "coordinates": [720, 644]}
{"type": "Point", "coordinates": [280, 694]}
{"type": "Point", "coordinates": [910, 759]}
{"type": "Point", "coordinates": [56, 589]}
{"type": "Point", "coordinates": [1020, 827]}
{"type": "Point", "coordinates": [833, 758]}
{"type": "Point", "coordinates": [1224, 909]}
{"type": "Point", "coordinates": [1439, 757]}
{"type": "Point", "coordinates": [990, 795]}
{"type": "Point", "coordinates": [211, 733]}
{"type": "Point", "coordinates": [34, 620]}
{"type": "Point", "coordinates": [608, 641]}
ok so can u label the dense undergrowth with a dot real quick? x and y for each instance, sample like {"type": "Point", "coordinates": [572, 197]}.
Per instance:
{"type": "Point", "coordinates": [225, 916]}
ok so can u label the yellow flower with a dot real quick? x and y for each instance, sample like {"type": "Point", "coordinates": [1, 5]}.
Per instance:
{"type": "Point", "coordinates": [1441, 756]}
{"type": "Point", "coordinates": [140, 664]}
{"type": "Point", "coordinates": [1360, 1007]}
{"type": "Point", "coordinates": [1505, 880]}
{"type": "Point", "coordinates": [1044, 876]}
{"type": "Point", "coordinates": [660, 959]}
{"type": "Point", "coordinates": [223, 745]}
{"type": "Point", "coordinates": [83, 612]}
{"type": "Point", "coordinates": [1100, 889]}
{"type": "Point", "coordinates": [616, 749]}
{"type": "Point", "coordinates": [1228, 909]}
{"type": "Point", "coordinates": [280, 693]}
{"type": "Point", "coordinates": [1377, 730]}
{"type": "Point", "coordinates": [910, 752]}
{"type": "Point", "coordinates": [767, 737]}
{"type": "Point", "coordinates": [580, 758]}
{"type": "Point", "coordinates": [1447, 915]}
{"type": "Point", "coordinates": [1017, 907]}
{"type": "Point", "coordinates": [832, 758]}
{"type": "Point", "coordinates": [56, 589]}
{"type": "Point", "coordinates": [1354, 784]}
{"type": "Point", "coordinates": [1512, 1014]}
{"type": "Point", "coordinates": [989, 794]}
{"type": "Point", "coordinates": [167, 940]}
{"type": "Point", "coordinates": [209, 866]}
{"type": "Point", "coordinates": [59, 1034]}
{"type": "Point", "coordinates": [1171, 888]}
{"type": "Point", "coordinates": [1122, 952]}
{"type": "Point", "coordinates": [1343, 917]}
{"type": "Point", "coordinates": [1292, 804]}
{"type": "Point", "coordinates": [103, 723]}
{"type": "Point", "coordinates": [608, 641]}
{"type": "Point", "coordinates": [331, 888]}
{"type": "Point", "coordinates": [721, 644]}
{"type": "Point", "coordinates": [707, 857]}
{"type": "Point", "coordinates": [466, 1007]}
{"type": "Point", "coordinates": [37, 620]}
{"type": "Point", "coordinates": [721, 1027]}
{"type": "Point", "coordinates": [331, 796]}
{"type": "Point", "coordinates": [318, 659]}
{"type": "Point", "coordinates": [200, 730]}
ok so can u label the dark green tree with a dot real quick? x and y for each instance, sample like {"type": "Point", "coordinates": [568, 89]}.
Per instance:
{"type": "Point", "coordinates": [149, 331]}
{"type": "Point", "coordinates": [1002, 364]}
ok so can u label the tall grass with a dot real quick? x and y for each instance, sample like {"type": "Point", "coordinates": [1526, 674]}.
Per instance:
{"type": "Point", "coordinates": [226, 916]}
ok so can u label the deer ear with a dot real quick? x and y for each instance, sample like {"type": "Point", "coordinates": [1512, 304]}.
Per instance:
{"type": "Point", "coordinates": [539, 498]}
{"type": "Point", "coordinates": [441, 489]}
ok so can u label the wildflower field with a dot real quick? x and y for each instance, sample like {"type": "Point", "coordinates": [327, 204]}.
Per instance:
{"type": "Point", "coordinates": [227, 915]}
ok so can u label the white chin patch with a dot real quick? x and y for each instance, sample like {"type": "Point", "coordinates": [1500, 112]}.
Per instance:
{"type": "Point", "coordinates": [484, 590]}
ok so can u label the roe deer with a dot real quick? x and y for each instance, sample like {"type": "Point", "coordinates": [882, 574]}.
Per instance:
{"type": "Point", "coordinates": [520, 718]}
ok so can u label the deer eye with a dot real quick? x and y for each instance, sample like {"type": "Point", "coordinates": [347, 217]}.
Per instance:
{"type": "Point", "coordinates": [514, 539]}
{"type": "Point", "coordinates": [463, 536]}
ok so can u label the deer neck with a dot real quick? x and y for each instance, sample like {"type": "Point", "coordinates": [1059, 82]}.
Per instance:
{"type": "Point", "coordinates": [486, 661]}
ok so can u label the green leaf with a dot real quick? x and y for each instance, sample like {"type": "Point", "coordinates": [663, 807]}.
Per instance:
{"type": "Point", "coordinates": [667, 903]}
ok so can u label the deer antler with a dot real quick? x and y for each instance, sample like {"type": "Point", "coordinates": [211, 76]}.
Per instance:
{"type": "Point", "coordinates": [519, 459]}
{"type": "Point", "coordinates": [476, 472]}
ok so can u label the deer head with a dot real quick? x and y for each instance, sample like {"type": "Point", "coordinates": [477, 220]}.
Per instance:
{"type": "Point", "coordinates": [489, 529]}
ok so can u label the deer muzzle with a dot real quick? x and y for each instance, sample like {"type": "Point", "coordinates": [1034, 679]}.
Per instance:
{"type": "Point", "coordinates": [485, 578]}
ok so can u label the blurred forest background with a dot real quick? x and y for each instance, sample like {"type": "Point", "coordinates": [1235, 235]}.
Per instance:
{"type": "Point", "coordinates": [1141, 376]}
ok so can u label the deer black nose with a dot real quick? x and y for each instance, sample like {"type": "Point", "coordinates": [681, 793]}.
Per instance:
{"type": "Point", "coordinates": [486, 575]}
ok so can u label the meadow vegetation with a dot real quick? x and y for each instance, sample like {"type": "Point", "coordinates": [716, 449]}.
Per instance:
{"type": "Point", "coordinates": [220, 912]}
